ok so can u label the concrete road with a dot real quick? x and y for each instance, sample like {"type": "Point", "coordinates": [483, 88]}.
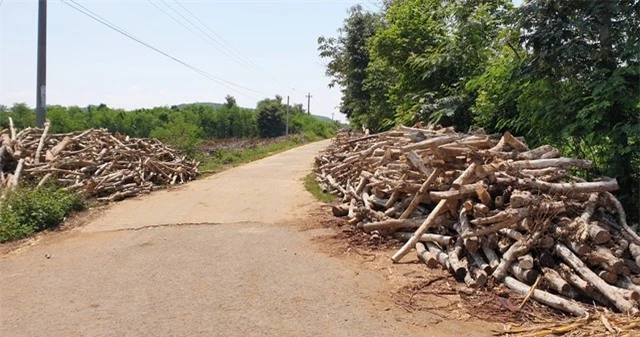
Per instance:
{"type": "Point", "coordinates": [221, 256]}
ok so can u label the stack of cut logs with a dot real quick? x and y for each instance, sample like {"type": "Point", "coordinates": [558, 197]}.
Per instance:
{"type": "Point", "coordinates": [488, 208]}
{"type": "Point", "coordinates": [93, 162]}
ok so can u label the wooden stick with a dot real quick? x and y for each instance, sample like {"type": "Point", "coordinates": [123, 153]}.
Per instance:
{"type": "Point", "coordinates": [544, 297]}
{"type": "Point", "coordinates": [517, 249]}
{"type": "Point", "coordinates": [525, 262]}
{"type": "Point", "coordinates": [525, 275]}
{"type": "Point", "coordinates": [463, 226]}
{"type": "Point", "coordinates": [432, 142]}
{"type": "Point", "coordinates": [426, 256]}
{"type": "Point", "coordinates": [458, 268]}
{"type": "Point", "coordinates": [569, 275]}
{"type": "Point", "coordinates": [604, 288]}
{"type": "Point", "coordinates": [556, 162]}
{"type": "Point", "coordinates": [16, 176]}
{"type": "Point", "coordinates": [623, 218]}
{"type": "Point", "coordinates": [441, 256]}
{"type": "Point", "coordinates": [554, 281]}
{"type": "Point", "coordinates": [491, 255]}
{"type": "Point", "coordinates": [598, 234]}
{"type": "Point", "coordinates": [12, 129]}
{"type": "Point", "coordinates": [417, 163]}
{"type": "Point", "coordinates": [421, 230]}
{"type": "Point", "coordinates": [443, 240]}
{"type": "Point", "coordinates": [41, 143]}
{"type": "Point", "coordinates": [424, 188]}
{"type": "Point", "coordinates": [392, 224]}
{"type": "Point", "coordinates": [43, 180]}
{"type": "Point", "coordinates": [563, 188]}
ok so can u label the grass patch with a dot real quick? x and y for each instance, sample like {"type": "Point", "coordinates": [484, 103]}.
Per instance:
{"type": "Point", "coordinates": [224, 159]}
{"type": "Point", "coordinates": [311, 184]}
{"type": "Point", "coordinates": [28, 210]}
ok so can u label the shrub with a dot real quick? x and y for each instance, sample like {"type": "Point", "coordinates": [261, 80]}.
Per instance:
{"type": "Point", "coordinates": [26, 211]}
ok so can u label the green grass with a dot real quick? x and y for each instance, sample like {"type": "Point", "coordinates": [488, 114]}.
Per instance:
{"type": "Point", "coordinates": [311, 184]}
{"type": "Point", "coordinates": [225, 159]}
{"type": "Point", "coordinates": [29, 210]}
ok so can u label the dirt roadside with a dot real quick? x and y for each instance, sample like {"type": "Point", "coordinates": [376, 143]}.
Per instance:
{"type": "Point", "coordinates": [233, 254]}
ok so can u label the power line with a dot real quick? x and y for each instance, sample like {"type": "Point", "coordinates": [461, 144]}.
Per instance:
{"type": "Point", "coordinates": [216, 45]}
{"type": "Point", "coordinates": [105, 22]}
{"type": "Point", "coordinates": [234, 50]}
{"type": "Point", "coordinates": [236, 57]}
{"type": "Point", "coordinates": [187, 27]}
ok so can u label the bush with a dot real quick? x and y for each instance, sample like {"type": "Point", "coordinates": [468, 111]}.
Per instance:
{"type": "Point", "coordinates": [270, 122]}
{"type": "Point", "coordinates": [181, 134]}
{"type": "Point", "coordinates": [29, 210]}
{"type": "Point", "coordinates": [312, 127]}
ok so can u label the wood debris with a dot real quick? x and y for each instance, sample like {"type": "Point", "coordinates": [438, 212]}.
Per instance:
{"type": "Point", "coordinates": [489, 207]}
{"type": "Point", "coordinates": [94, 162]}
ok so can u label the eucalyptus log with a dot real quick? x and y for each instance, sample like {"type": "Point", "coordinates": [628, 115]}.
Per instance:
{"type": "Point", "coordinates": [553, 280]}
{"type": "Point", "coordinates": [526, 261]}
{"type": "Point", "coordinates": [443, 240]}
{"type": "Point", "coordinates": [421, 230]}
{"type": "Point", "coordinates": [427, 257]}
{"type": "Point", "coordinates": [544, 297]}
{"type": "Point", "coordinates": [458, 268]}
{"type": "Point", "coordinates": [618, 301]}
{"type": "Point", "coordinates": [440, 256]}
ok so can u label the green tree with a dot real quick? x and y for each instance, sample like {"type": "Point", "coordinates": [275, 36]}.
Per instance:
{"type": "Point", "coordinates": [348, 56]}
{"type": "Point", "coordinates": [270, 117]}
{"type": "Point", "coordinates": [230, 101]}
{"type": "Point", "coordinates": [433, 48]}
{"type": "Point", "coordinates": [584, 75]}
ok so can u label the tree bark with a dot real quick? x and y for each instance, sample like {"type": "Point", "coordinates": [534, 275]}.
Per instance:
{"type": "Point", "coordinates": [604, 288]}
{"type": "Point", "coordinates": [544, 297]}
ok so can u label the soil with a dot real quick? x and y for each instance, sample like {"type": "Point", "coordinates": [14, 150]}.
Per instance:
{"type": "Point", "coordinates": [244, 252]}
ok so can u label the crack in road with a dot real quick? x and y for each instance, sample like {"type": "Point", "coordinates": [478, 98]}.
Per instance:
{"type": "Point", "coordinates": [182, 224]}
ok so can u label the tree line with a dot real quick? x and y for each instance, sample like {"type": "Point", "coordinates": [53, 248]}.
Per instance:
{"type": "Point", "coordinates": [565, 73]}
{"type": "Point", "coordinates": [184, 126]}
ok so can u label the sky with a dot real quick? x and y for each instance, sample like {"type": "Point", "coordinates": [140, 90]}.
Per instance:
{"type": "Point", "coordinates": [271, 48]}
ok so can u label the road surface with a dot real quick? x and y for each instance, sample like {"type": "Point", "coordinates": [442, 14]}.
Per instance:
{"type": "Point", "coordinates": [221, 256]}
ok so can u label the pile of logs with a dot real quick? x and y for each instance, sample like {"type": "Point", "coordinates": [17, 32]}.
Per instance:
{"type": "Point", "coordinates": [93, 162]}
{"type": "Point", "coordinates": [491, 210]}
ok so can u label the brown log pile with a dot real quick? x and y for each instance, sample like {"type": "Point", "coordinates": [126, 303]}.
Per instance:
{"type": "Point", "coordinates": [491, 210]}
{"type": "Point", "coordinates": [94, 162]}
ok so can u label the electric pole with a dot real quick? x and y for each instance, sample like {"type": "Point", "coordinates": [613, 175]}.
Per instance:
{"type": "Point", "coordinates": [309, 103]}
{"type": "Point", "coordinates": [287, 130]}
{"type": "Point", "coordinates": [41, 80]}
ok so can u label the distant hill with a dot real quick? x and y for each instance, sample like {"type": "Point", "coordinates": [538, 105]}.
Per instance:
{"type": "Point", "coordinates": [211, 104]}
{"type": "Point", "coordinates": [323, 118]}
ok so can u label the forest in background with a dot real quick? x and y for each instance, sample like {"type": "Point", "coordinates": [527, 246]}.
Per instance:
{"type": "Point", "coordinates": [565, 73]}
{"type": "Point", "coordinates": [184, 126]}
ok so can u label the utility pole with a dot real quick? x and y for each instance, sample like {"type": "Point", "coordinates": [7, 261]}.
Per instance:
{"type": "Point", "coordinates": [287, 130]}
{"type": "Point", "coordinates": [41, 80]}
{"type": "Point", "coordinates": [309, 103]}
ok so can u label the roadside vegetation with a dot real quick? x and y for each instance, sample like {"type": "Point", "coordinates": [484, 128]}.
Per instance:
{"type": "Point", "coordinates": [30, 210]}
{"type": "Point", "coordinates": [194, 129]}
{"type": "Point", "coordinates": [312, 185]}
{"type": "Point", "coordinates": [564, 73]}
